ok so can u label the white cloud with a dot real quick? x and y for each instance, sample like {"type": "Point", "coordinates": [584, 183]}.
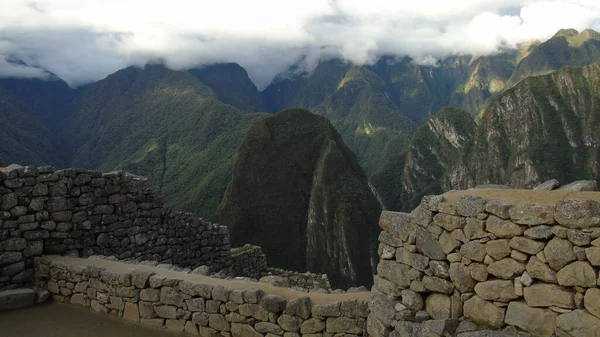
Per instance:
{"type": "Point", "coordinates": [84, 40]}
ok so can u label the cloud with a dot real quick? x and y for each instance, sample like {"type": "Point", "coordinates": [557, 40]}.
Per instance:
{"type": "Point", "coordinates": [85, 40]}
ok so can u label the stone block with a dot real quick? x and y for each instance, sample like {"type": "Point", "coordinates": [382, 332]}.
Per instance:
{"type": "Point", "coordinates": [502, 228]}
{"type": "Point", "coordinates": [579, 274]}
{"type": "Point", "coordinates": [483, 312]}
{"type": "Point", "coordinates": [578, 213]}
{"type": "Point", "coordinates": [531, 214]}
{"type": "Point", "coordinates": [547, 295]}
{"type": "Point", "coordinates": [16, 298]}
{"type": "Point", "coordinates": [536, 321]}
{"type": "Point", "coordinates": [496, 290]}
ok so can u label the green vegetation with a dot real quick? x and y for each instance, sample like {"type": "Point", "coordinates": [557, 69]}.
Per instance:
{"type": "Point", "coordinates": [299, 193]}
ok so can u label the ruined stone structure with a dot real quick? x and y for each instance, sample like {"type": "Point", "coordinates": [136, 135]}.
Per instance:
{"type": "Point", "coordinates": [488, 264]}
{"type": "Point", "coordinates": [469, 263]}
{"type": "Point", "coordinates": [196, 304]}
{"type": "Point", "coordinates": [84, 213]}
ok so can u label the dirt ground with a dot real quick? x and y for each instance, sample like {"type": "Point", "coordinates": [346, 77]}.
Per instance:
{"type": "Point", "coordinates": [286, 293]}
{"type": "Point", "coordinates": [514, 196]}
{"type": "Point", "coordinates": [63, 320]}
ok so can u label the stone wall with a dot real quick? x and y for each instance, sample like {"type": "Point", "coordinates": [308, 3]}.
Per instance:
{"type": "Point", "coordinates": [205, 309]}
{"type": "Point", "coordinates": [248, 261]}
{"type": "Point", "coordinates": [84, 213]}
{"type": "Point", "coordinates": [306, 282]}
{"type": "Point", "coordinates": [488, 265]}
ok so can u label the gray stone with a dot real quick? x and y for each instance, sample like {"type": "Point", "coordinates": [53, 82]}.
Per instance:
{"type": "Point", "coordinates": [449, 222]}
{"type": "Point", "coordinates": [387, 287]}
{"type": "Point", "coordinates": [478, 271]}
{"type": "Point", "coordinates": [502, 228]}
{"type": "Point", "coordinates": [448, 243]}
{"type": "Point", "coordinates": [470, 205]}
{"type": "Point", "coordinates": [172, 296]}
{"type": "Point", "coordinates": [578, 213]}
{"type": "Point", "coordinates": [592, 301]}
{"type": "Point", "coordinates": [195, 289]}
{"type": "Point", "coordinates": [439, 268]}
{"type": "Point", "coordinates": [541, 271]}
{"type": "Point", "coordinates": [10, 257]}
{"type": "Point", "coordinates": [518, 256]}
{"type": "Point", "coordinates": [548, 185]}
{"type": "Point", "coordinates": [395, 272]}
{"type": "Point", "coordinates": [289, 323]}
{"type": "Point", "coordinates": [593, 255]}
{"type": "Point", "coordinates": [559, 253]}
{"type": "Point", "coordinates": [412, 300]}
{"type": "Point", "coordinates": [428, 245]}
{"type": "Point", "coordinates": [218, 322]}
{"type": "Point", "coordinates": [166, 311]}
{"type": "Point", "coordinates": [498, 249]}
{"type": "Point", "coordinates": [150, 295]}
{"type": "Point", "coordinates": [343, 325]}
{"type": "Point", "coordinates": [538, 322]}
{"type": "Point", "coordinates": [578, 238]}
{"type": "Point", "coordinates": [354, 309]}
{"type": "Point", "coordinates": [274, 303]}
{"type": "Point", "coordinates": [526, 245]}
{"type": "Point", "coordinates": [13, 269]}
{"type": "Point", "coordinates": [461, 277]}
{"type": "Point", "coordinates": [579, 274]}
{"type": "Point", "coordinates": [473, 250]}
{"type": "Point", "coordinates": [498, 208]}
{"type": "Point", "coordinates": [496, 290]}
{"type": "Point", "coordinates": [439, 306]}
{"type": "Point", "coordinates": [578, 323]}
{"type": "Point", "coordinates": [383, 307]}
{"type": "Point", "coordinates": [300, 307]}
{"type": "Point", "coordinates": [580, 185]}
{"type": "Point", "coordinates": [484, 312]}
{"type": "Point", "coordinates": [140, 278]}
{"type": "Point", "coordinates": [474, 229]}
{"type": "Point", "coordinates": [506, 268]}
{"type": "Point", "coordinates": [328, 310]}
{"type": "Point", "coordinates": [398, 224]}
{"type": "Point", "coordinates": [267, 327]}
{"type": "Point", "coordinates": [547, 295]}
{"type": "Point", "coordinates": [14, 244]}
{"type": "Point", "coordinates": [531, 214]}
{"type": "Point", "coordinates": [437, 284]}
{"type": "Point", "coordinates": [16, 298]}
{"type": "Point", "coordinates": [541, 232]}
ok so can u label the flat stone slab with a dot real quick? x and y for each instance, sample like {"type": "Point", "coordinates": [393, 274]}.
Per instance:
{"type": "Point", "coordinates": [16, 298]}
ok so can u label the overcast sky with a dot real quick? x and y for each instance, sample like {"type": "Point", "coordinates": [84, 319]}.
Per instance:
{"type": "Point", "coordinates": [85, 40]}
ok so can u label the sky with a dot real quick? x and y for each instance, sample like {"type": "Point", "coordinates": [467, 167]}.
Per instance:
{"type": "Point", "coordinates": [82, 41]}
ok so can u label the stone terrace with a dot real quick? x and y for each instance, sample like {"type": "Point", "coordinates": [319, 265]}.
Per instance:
{"type": "Point", "coordinates": [490, 259]}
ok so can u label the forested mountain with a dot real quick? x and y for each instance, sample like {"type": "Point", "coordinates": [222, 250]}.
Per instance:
{"type": "Point", "coordinates": [299, 193]}
{"type": "Point", "coordinates": [545, 127]}
{"type": "Point", "coordinates": [182, 128]}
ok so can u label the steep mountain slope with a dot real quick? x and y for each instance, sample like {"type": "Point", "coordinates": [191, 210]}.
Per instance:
{"type": "Point", "coordinates": [31, 111]}
{"type": "Point", "coordinates": [298, 192]}
{"type": "Point", "coordinates": [231, 84]}
{"type": "Point", "coordinates": [24, 138]}
{"type": "Point", "coordinates": [545, 127]}
{"type": "Point", "coordinates": [435, 161]}
{"type": "Point", "coordinates": [565, 48]}
{"type": "Point", "coordinates": [163, 124]}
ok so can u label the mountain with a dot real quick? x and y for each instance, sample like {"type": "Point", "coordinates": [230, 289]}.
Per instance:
{"type": "Point", "coordinates": [231, 84]}
{"type": "Point", "coordinates": [545, 127]}
{"type": "Point", "coordinates": [567, 47]}
{"type": "Point", "coordinates": [299, 193]}
{"type": "Point", "coordinates": [163, 124]}
{"type": "Point", "coordinates": [436, 161]}
{"type": "Point", "coordinates": [31, 112]}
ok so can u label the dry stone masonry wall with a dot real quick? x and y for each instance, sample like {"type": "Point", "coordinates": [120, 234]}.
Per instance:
{"type": "Point", "coordinates": [479, 264]}
{"type": "Point", "coordinates": [84, 213]}
{"type": "Point", "coordinates": [141, 296]}
{"type": "Point", "coordinates": [248, 261]}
